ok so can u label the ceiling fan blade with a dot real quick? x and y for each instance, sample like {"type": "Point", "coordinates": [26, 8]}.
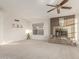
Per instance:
{"type": "Point", "coordinates": [51, 5]}
{"type": "Point", "coordinates": [63, 2]}
{"type": "Point", "coordinates": [51, 10]}
{"type": "Point", "coordinates": [66, 7]}
{"type": "Point", "coordinates": [58, 10]}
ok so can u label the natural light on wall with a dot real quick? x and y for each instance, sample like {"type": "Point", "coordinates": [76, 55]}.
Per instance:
{"type": "Point", "coordinates": [4, 43]}
{"type": "Point", "coordinates": [76, 20]}
{"type": "Point", "coordinates": [28, 31]}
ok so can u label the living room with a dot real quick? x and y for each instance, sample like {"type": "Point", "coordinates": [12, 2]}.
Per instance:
{"type": "Point", "coordinates": [28, 26]}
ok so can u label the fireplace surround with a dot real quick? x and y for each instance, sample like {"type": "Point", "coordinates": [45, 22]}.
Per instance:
{"type": "Point", "coordinates": [62, 29]}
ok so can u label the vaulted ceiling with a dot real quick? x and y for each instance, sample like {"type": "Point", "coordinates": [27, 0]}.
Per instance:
{"type": "Point", "coordinates": [36, 8]}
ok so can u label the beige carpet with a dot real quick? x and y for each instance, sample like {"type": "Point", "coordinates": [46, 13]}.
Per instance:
{"type": "Point", "coordinates": [30, 49]}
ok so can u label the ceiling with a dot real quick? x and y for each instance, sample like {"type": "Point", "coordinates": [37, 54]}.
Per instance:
{"type": "Point", "coordinates": [35, 8]}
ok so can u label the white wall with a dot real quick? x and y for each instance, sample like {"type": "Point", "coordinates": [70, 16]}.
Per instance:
{"type": "Point", "coordinates": [10, 34]}
{"type": "Point", "coordinates": [15, 34]}
{"type": "Point", "coordinates": [46, 22]}
{"type": "Point", "coordinates": [1, 26]}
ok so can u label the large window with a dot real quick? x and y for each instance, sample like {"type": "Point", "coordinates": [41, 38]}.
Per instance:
{"type": "Point", "coordinates": [38, 29]}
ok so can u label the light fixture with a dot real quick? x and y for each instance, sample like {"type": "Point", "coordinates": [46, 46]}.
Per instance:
{"type": "Point", "coordinates": [28, 32]}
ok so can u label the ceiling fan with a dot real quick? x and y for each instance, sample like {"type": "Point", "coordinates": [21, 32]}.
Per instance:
{"type": "Point", "coordinates": [58, 6]}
